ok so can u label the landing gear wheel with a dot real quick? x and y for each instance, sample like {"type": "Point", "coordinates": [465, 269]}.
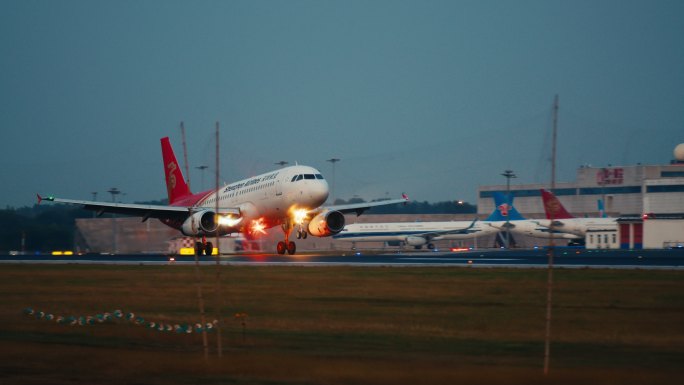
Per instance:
{"type": "Point", "coordinates": [291, 247]}
{"type": "Point", "coordinates": [208, 248]}
{"type": "Point", "coordinates": [199, 248]}
{"type": "Point", "coordinates": [430, 246]}
{"type": "Point", "coordinates": [299, 235]}
{"type": "Point", "coordinates": [304, 234]}
{"type": "Point", "coordinates": [280, 247]}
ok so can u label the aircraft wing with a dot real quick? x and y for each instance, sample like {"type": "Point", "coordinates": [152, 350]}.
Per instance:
{"type": "Point", "coordinates": [359, 208]}
{"type": "Point", "coordinates": [435, 234]}
{"type": "Point", "coordinates": [138, 210]}
{"type": "Point", "coordinates": [555, 223]}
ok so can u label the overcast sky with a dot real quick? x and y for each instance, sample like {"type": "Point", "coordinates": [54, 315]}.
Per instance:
{"type": "Point", "coordinates": [431, 98]}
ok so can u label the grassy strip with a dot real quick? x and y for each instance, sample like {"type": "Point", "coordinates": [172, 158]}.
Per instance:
{"type": "Point", "coordinates": [344, 325]}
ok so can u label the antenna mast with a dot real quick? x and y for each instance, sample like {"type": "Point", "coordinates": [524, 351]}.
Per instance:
{"type": "Point", "coordinates": [553, 143]}
{"type": "Point", "coordinates": [185, 155]}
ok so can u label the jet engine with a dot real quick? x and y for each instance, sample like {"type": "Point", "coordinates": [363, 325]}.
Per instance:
{"type": "Point", "coordinates": [415, 241]}
{"type": "Point", "coordinates": [200, 223]}
{"type": "Point", "coordinates": [326, 224]}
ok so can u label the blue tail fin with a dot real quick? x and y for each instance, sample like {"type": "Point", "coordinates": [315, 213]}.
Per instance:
{"type": "Point", "coordinates": [601, 209]}
{"type": "Point", "coordinates": [503, 209]}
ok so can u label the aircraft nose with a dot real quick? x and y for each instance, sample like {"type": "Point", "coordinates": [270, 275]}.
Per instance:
{"type": "Point", "coordinates": [319, 192]}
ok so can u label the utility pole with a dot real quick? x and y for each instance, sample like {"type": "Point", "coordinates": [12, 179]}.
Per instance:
{"type": "Point", "coordinates": [94, 199]}
{"type": "Point", "coordinates": [333, 161]}
{"type": "Point", "coordinates": [549, 281]}
{"type": "Point", "coordinates": [114, 191]}
{"type": "Point", "coordinates": [202, 168]}
{"type": "Point", "coordinates": [219, 297]}
{"type": "Point", "coordinates": [508, 174]}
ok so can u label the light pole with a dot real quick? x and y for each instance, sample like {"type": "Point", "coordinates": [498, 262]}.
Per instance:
{"type": "Point", "coordinates": [94, 199]}
{"type": "Point", "coordinates": [333, 161]}
{"type": "Point", "coordinates": [114, 191]}
{"type": "Point", "coordinates": [202, 168]}
{"type": "Point", "coordinates": [508, 174]}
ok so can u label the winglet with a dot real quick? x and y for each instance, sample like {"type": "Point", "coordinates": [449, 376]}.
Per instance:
{"type": "Point", "coordinates": [406, 198]}
{"type": "Point", "coordinates": [48, 198]}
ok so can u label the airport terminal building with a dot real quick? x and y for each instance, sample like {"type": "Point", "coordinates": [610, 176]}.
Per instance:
{"type": "Point", "coordinates": [626, 191]}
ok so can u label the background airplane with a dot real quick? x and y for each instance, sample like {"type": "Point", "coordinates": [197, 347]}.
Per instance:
{"type": "Point", "coordinates": [290, 197]}
{"type": "Point", "coordinates": [565, 222]}
{"type": "Point", "coordinates": [414, 234]}
{"type": "Point", "coordinates": [418, 234]}
{"type": "Point", "coordinates": [517, 224]}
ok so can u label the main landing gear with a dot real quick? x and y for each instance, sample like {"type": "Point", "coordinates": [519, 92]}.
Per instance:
{"type": "Point", "coordinates": [203, 247]}
{"type": "Point", "coordinates": [287, 245]}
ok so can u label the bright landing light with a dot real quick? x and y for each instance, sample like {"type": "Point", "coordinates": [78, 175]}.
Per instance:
{"type": "Point", "coordinates": [298, 215]}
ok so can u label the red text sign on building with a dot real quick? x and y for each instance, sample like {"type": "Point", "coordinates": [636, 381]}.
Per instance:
{"type": "Point", "coordinates": [610, 176]}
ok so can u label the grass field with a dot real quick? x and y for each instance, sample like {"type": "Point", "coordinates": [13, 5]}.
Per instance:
{"type": "Point", "coordinates": [343, 325]}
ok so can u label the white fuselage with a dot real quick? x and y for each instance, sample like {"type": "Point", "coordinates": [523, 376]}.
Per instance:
{"type": "Point", "coordinates": [412, 232]}
{"type": "Point", "coordinates": [580, 226]}
{"type": "Point", "coordinates": [272, 195]}
{"type": "Point", "coordinates": [530, 228]}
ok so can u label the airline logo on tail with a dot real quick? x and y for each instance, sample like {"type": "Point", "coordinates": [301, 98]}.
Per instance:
{"type": "Point", "coordinates": [175, 184]}
{"type": "Point", "coordinates": [553, 207]}
{"type": "Point", "coordinates": [504, 209]}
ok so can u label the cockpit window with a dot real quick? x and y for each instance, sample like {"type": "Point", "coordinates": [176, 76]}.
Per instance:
{"type": "Point", "coordinates": [306, 176]}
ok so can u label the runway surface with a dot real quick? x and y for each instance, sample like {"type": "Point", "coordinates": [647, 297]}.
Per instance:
{"type": "Point", "coordinates": [565, 258]}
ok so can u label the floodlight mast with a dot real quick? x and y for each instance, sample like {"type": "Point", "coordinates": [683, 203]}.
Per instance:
{"type": "Point", "coordinates": [508, 174]}
{"type": "Point", "coordinates": [114, 191]}
{"type": "Point", "coordinates": [332, 191]}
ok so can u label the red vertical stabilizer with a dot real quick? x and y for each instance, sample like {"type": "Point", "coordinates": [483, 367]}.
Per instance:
{"type": "Point", "coordinates": [175, 183]}
{"type": "Point", "coordinates": [552, 206]}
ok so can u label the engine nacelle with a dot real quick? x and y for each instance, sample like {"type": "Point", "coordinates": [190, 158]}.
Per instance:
{"type": "Point", "coordinates": [326, 224]}
{"type": "Point", "coordinates": [415, 241]}
{"type": "Point", "coordinates": [200, 223]}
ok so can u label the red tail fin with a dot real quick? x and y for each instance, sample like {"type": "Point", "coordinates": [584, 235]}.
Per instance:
{"type": "Point", "coordinates": [175, 183]}
{"type": "Point", "coordinates": [552, 206]}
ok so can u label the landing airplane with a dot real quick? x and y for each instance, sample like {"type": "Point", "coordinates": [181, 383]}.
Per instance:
{"type": "Point", "coordinates": [565, 222]}
{"type": "Point", "coordinates": [290, 197]}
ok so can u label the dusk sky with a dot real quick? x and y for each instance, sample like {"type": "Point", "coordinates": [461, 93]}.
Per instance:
{"type": "Point", "coordinates": [431, 98]}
